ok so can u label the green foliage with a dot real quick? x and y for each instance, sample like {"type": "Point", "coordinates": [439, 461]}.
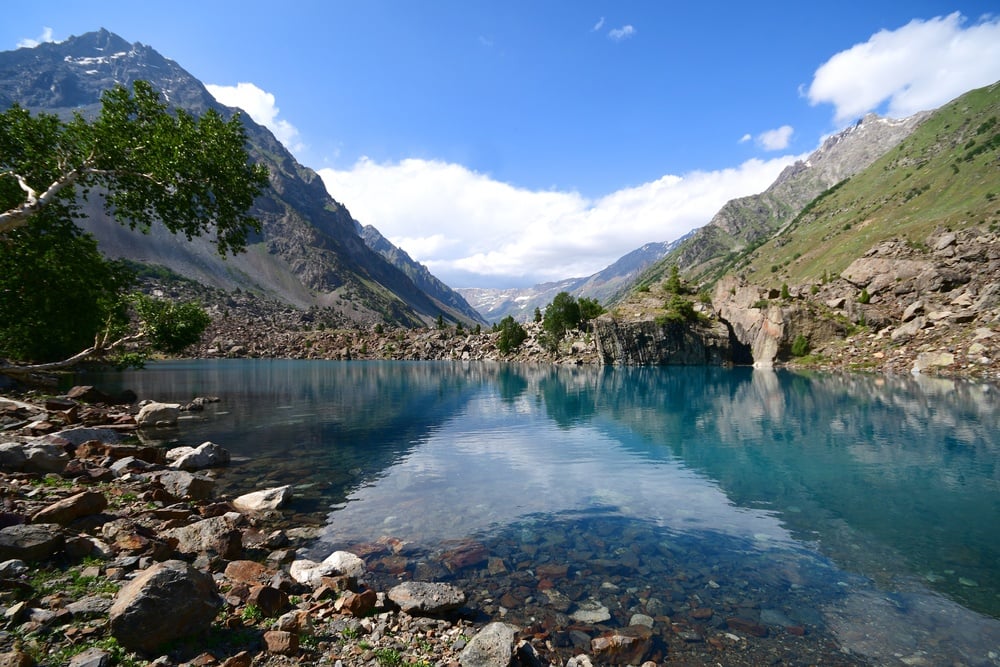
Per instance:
{"type": "Point", "coordinates": [388, 657]}
{"type": "Point", "coordinates": [589, 308]}
{"type": "Point", "coordinates": [169, 326]}
{"type": "Point", "coordinates": [561, 315]}
{"type": "Point", "coordinates": [152, 165]}
{"type": "Point", "coordinates": [252, 614]}
{"type": "Point", "coordinates": [673, 283]}
{"type": "Point", "coordinates": [678, 310]}
{"type": "Point", "coordinates": [864, 297]}
{"type": "Point", "coordinates": [800, 346]}
{"type": "Point", "coordinates": [784, 291]}
{"type": "Point", "coordinates": [512, 334]}
{"type": "Point", "coordinates": [56, 290]}
{"type": "Point", "coordinates": [440, 321]}
{"type": "Point", "coordinates": [538, 315]}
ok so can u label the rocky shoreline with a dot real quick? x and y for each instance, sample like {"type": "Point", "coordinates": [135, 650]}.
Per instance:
{"type": "Point", "coordinates": [115, 552]}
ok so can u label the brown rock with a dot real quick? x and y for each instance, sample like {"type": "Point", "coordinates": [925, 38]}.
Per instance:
{"type": "Point", "coordinates": [357, 604]}
{"type": "Point", "coordinates": [241, 659]}
{"type": "Point", "coordinates": [16, 659]}
{"type": "Point", "coordinates": [67, 510]}
{"type": "Point", "coordinates": [625, 646]}
{"type": "Point", "coordinates": [281, 642]}
{"type": "Point", "coordinates": [247, 571]}
{"type": "Point", "coordinates": [269, 600]}
{"type": "Point", "coordinates": [746, 626]}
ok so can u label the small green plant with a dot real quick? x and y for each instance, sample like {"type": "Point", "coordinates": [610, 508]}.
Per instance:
{"type": "Point", "coordinates": [350, 633]}
{"type": "Point", "coordinates": [252, 614]}
{"type": "Point", "coordinates": [761, 304]}
{"type": "Point", "coordinates": [800, 346]}
{"type": "Point", "coordinates": [864, 297]}
{"type": "Point", "coordinates": [389, 657]}
{"type": "Point", "coordinates": [784, 292]}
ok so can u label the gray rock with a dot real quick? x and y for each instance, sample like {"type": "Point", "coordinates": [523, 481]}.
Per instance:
{"type": "Point", "coordinates": [215, 535]}
{"type": "Point", "coordinates": [44, 457]}
{"type": "Point", "coordinates": [92, 657]}
{"type": "Point", "coordinates": [205, 455]}
{"type": "Point", "coordinates": [81, 434]}
{"type": "Point", "coordinates": [426, 598]}
{"type": "Point", "coordinates": [158, 414]}
{"type": "Point", "coordinates": [268, 499]}
{"type": "Point", "coordinates": [591, 612]}
{"type": "Point", "coordinates": [92, 606]}
{"type": "Point", "coordinates": [170, 600]}
{"type": "Point", "coordinates": [493, 646]}
{"type": "Point", "coordinates": [346, 563]}
{"type": "Point", "coordinates": [13, 568]}
{"type": "Point", "coordinates": [182, 484]}
{"type": "Point", "coordinates": [12, 458]}
{"type": "Point", "coordinates": [29, 543]}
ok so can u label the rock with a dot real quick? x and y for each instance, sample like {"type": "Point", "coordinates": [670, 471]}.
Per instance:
{"type": "Point", "coordinates": [909, 329]}
{"type": "Point", "coordinates": [346, 563]}
{"type": "Point", "coordinates": [247, 572]}
{"type": "Point", "coordinates": [281, 642]}
{"type": "Point", "coordinates": [426, 598]}
{"type": "Point", "coordinates": [69, 509]}
{"type": "Point", "coordinates": [912, 310]}
{"type": "Point", "coordinates": [357, 604]}
{"type": "Point", "coordinates": [170, 600]}
{"type": "Point", "coordinates": [45, 457]}
{"type": "Point", "coordinates": [29, 543]}
{"type": "Point", "coordinates": [81, 434]}
{"type": "Point", "coordinates": [12, 457]}
{"type": "Point", "coordinates": [16, 658]}
{"type": "Point", "coordinates": [493, 646]}
{"type": "Point", "coordinates": [269, 600]}
{"type": "Point", "coordinates": [268, 499]}
{"type": "Point", "coordinates": [215, 535]}
{"type": "Point", "coordinates": [205, 455]}
{"type": "Point", "coordinates": [158, 414]}
{"type": "Point", "coordinates": [623, 646]}
{"type": "Point", "coordinates": [88, 394]}
{"type": "Point", "coordinates": [927, 360]}
{"type": "Point", "coordinates": [91, 657]}
{"type": "Point", "coordinates": [591, 612]}
{"type": "Point", "coordinates": [746, 626]}
{"type": "Point", "coordinates": [182, 484]}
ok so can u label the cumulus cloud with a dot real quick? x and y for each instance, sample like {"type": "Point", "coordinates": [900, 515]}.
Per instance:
{"type": "Point", "coordinates": [618, 34]}
{"type": "Point", "coordinates": [919, 66]}
{"type": "Point", "coordinates": [260, 105]}
{"type": "Point", "coordinates": [775, 140]}
{"type": "Point", "coordinates": [29, 43]}
{"type": "Point", "coordinates": [598, 25]}
{"type": "Point", "coordinates": [473, 231]}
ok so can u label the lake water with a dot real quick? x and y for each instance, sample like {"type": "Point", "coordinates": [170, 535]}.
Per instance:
{"type": "Point", "coordinates": [864, 510]}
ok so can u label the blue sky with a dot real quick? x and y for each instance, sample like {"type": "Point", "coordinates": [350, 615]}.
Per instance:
{"type": "Point", "coordinates": [504, 144]}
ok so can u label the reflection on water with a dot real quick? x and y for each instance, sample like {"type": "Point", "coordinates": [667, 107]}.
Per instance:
{"type": "Point", "coordinates": [844, 502]}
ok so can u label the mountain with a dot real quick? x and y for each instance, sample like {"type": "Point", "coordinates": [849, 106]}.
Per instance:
{"type": "Point", "coordinates": [309, 253]}
{"type": "Point", "coordinates": [520, 303]}
{"type": "Point", "coordinates": [748, 222]}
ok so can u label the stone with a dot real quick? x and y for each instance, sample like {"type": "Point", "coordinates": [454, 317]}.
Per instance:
{"type": "Point", "coordinates": [16, 658]}
{"type": "Point", "coordinates": [247, 572]}
{"type": "Point", "coordinates": [170, 600]}
{"type": "Point", "coordinates": [912, 310]}
{"type": "Point", "coordinates": [623, 646]}
{"type": "Point", "coordinates": [281, 642]}
{"type": "Point", "coordinates": [241, 659]}
{"type": "Point", "coordinates": [12, 457]}
{"type": "Point", "coordinates": [69, 509]}
{"type": "Point", "coordinates": [158, 415]}
{"type": "Point", "coordinates": [346, 563]}
{"type": "Point", "coordinates": [928, 360]}
{"type": "Point", "coordinates": [30, 543]}
{"type": "Point", "coordinates": [267, 499]}
{"type": "Point", "coordinates": [591, 612]}
{"type": "Point", "coordinates": [205, 455]}
{"type": "Point", "coordinates": [909, 329]}
{"type": "Point", "coordinates": [215, 535]}
{"type": "Point", "coordinates": [45, 457]}
{"type": "Point", "coordinates": [746, 626]}
{"type": "Point", "coordinates": [91, 657]}
{"type": "Point", "coordinates": [493, 646]}
{"type": "Point", "coordinates": [269, 600]}
{"type": "Point", "coordinates": [183, 484]}
{"type": "Point", "coordinates": [426, 598]}
{"type": "Point", "coordinates": [81, 434]}
{"type": "Point", "coordinates": [357, 604]}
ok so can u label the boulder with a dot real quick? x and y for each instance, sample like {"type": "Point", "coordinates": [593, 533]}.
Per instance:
{"type": "Point", "coordinates": [69, 509]}
{"type": "Point", "coordinates": [493, 646]}
{"type": "Point", "coordinates": [170, 600]}
{"type": "Point", "coordinates": [158, 414]}
{"type": "Point", "coordinates": [426, 598]}
{"type": "Point", "coordinates": [623, 646]}
{"type": "Point", "coordinates": [182, 484]}
{"type": "Point", "coordinates": [45, 457]}
{"type": "Point", "coordinates": [81, 434]}
{"type": "Point", "coordinates": [261, 501]}
{"type": "Point", "coordinates": [346, 563]}
{"type": "Point", "coordinates": [29, 543]}
{"type": "Point", "coordinates": [215, 535]}
{"type": "Point", "coordinates": [205, 455]}
{"type": "Point", "coordinates": [12, 457]}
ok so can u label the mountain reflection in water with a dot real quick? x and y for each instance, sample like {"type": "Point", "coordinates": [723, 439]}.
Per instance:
{"type": "Point", "coordinates": [870, 489]}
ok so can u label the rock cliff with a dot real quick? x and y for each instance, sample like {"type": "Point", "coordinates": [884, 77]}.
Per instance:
{"type": "Point", "coordinates": [652, 343]}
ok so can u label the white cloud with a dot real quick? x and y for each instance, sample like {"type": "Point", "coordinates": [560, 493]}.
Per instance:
{"type": "Point", "coordinates": [598, 25]}
{"type": "Point", "coordinates": [473, 231]}
{"type": "Point", "coordinates": [917, 67]}
{"type": "Point", "coordinates": [260, 105]}
{"type": "Point", "coordinates": [745, 138]}
{"type": "Point", "coordinates": [618, 34]}
{"type": "Point", "coordinates": [775, 140]}
{"type": "Point", "coordinates": [29, 43]}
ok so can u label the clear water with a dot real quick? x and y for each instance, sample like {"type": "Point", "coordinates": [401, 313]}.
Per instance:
{"type": "Point", "coordinates": [864, 508]}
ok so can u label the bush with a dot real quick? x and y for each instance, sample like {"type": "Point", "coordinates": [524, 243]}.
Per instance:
{"type": "Point", "coordinates": [864, 297]}
{"type": "Point", "coordinates": [561, 315]}
{"type": "Point", "coordinates": [800, 346]}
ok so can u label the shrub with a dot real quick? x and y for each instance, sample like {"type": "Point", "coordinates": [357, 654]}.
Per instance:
{"type": "Point", "coordinates": [864, 297]}
{"type": "Point", "coordinates": [512, 334]}
{"type": "Point", "coordinates": [800, 346]}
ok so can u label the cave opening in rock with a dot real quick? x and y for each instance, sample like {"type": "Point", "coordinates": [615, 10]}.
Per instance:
{"type": "Point", "coordinates": [742, 354]}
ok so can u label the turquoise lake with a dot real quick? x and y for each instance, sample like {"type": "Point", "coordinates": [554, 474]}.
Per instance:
{"type": "Point", "coordinates": [864, 509]}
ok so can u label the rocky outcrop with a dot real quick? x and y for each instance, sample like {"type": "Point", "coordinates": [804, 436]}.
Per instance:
{"type": "Point", "coordinates": [652, 343]}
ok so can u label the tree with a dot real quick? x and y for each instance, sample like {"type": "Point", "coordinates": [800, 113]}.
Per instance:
{"type": "Point", "coordinates": [561, 315]}
{"type": "Point", "coordinates": [512, 334]}
{"type": "Point", "coordinates": [589, 308]}
{"type": "Point", "coordinates": [151, 166]}
{"type": "Point", "coordinates": [673, 284]}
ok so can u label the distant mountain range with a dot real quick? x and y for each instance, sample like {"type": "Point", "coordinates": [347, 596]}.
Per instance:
{"type": "Point", "coordinates": [311, 252]}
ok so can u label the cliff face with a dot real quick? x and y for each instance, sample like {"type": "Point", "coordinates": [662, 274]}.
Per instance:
{"type": "Point", "coordinates": [649, 343]}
